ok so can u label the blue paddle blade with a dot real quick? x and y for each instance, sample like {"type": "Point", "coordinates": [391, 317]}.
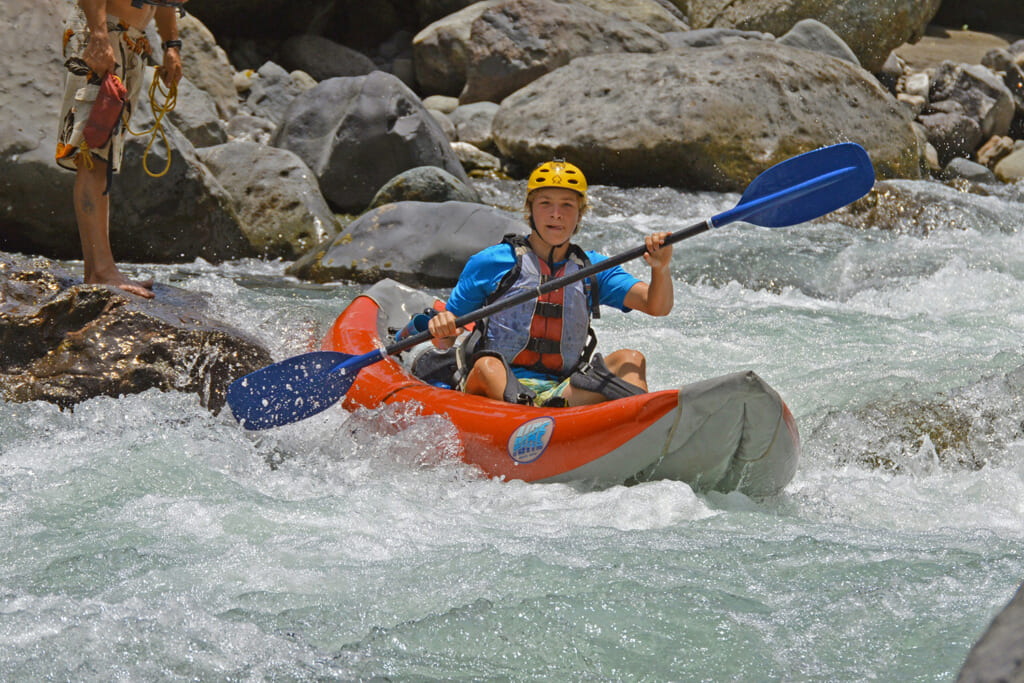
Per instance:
{"type": "Point", "coordinates": [291, 390]}
{"type": "Point", "coordinates": [804, 187]}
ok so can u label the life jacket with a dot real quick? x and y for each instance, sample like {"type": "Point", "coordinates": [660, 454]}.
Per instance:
{"type": "Point", "coordinates": [550, 334]}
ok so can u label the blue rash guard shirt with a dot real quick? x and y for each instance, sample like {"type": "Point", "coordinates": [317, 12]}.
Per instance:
{"type": "Point", "coordinates": [485, 269]}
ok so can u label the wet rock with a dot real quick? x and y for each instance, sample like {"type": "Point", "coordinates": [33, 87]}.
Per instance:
{"type": "Point", "coordinates": [358, 133]}
{"type": "Point", "coordinates": [425, 184]}
{"type": "Point", "coordinates": [276, 196]}
{"type": "Point", "coordinates": [416, 243]}
{"type": "Point", "coordinates": [968, 170]}
{"type": "Point", "coordinates": [66, 342]}
{"type": "Point", "coordinates": [872, 28]}
{"type": "Point", "coordinates": [718, 116]}
{"type": "Point", "coordinates": [999, 653]}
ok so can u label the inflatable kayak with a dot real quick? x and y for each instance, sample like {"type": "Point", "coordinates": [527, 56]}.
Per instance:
{"type": "Point", "coordinates": [728, 433]}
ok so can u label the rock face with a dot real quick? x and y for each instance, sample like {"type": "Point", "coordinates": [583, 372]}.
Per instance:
{"type": "Point", "coordinates": [276, 196]}
{"type": "Point", "coordinates": [710, 118]}
{"type": "Point", "coordinates": [999, 654]}
{"type": "Point", "coordinates": [416, 243]}
{"type": "Point", "coordinates": [518, 41]}
{"type": "Point", "coordinates": [65, 343]}
{"type": "Point", "coordinates": [872, 28]}
{"type": "Point", "coordinates": [358, 133]}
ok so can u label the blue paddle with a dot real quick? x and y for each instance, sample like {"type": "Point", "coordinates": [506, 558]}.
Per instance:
{"type": "Point", "coordinates": [793, 191]}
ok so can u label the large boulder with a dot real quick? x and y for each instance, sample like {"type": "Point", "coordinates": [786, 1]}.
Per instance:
{"type": "Point", "coordinates": [512, 44]}
{"type": "Point", "coordinates": [322, 58]}
{"type": "Point", "coordinates": [872, 28]}
{"type": "Point", "coordinates": [358, 133]}
{"type": "Point", "coordinates": [420, 244]}
{"type": "Point", "coordinates": [495, 48]}
{"type": "Point", "coordinates": [181, 215]}
{"type": "Point", "coordinates": [35, 194]}
{"type": "Point", "coordinates": [717, 118]}
{"type": "Point", "coordinates": [999, 653]}
{"type": "Point", "coordinates": [207, 65]}
{"type": "Point", "coordinates": [276, 196]}
{"type": "Point", "coordinates": [64, 342]}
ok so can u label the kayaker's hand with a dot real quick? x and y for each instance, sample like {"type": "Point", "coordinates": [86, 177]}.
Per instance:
{"type": "Point", "coordinates": [442, 327]}
{"type": "Point", "coordinates": [658, 254]}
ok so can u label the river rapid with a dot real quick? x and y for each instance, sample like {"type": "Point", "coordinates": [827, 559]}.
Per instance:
{"type": "Point", "coordinates": [143, 538]}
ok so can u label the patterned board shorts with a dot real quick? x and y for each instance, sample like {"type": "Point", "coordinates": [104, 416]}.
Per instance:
{"type": "Point", "coordinates": [546, 389]}
{"type": "Point", "coordinates": [130, 50]}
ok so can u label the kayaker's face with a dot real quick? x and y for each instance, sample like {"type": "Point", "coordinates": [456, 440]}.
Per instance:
{"type": "Point", "coordinates": [556, 213]}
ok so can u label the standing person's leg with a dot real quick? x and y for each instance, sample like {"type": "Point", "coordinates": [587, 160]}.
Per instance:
{"type": "Point", "coordinates": [92, 210]}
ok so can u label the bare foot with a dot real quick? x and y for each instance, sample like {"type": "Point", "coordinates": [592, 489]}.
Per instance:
{"type": "Point", "coordinates": [142, 288]}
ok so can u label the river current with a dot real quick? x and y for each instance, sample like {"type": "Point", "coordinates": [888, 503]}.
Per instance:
{"type": "Point", "coordinates": [143, 538]}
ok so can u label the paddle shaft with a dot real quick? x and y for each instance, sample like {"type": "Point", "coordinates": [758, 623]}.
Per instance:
{"type": "Point", "coordinates": [735, 214]}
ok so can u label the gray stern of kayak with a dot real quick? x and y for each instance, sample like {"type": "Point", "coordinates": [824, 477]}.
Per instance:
{"type": "Point", "coordinates": [727, 433]}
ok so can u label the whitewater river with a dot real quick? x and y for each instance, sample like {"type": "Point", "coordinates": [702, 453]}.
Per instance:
{"type": "Point", "coordinates": [145, 539]}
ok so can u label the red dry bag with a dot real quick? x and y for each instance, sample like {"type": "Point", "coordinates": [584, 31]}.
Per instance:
{"type": "Point", "coordinates": [106, 111]}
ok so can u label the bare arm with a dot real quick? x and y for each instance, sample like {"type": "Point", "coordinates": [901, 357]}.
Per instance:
{"type": "Point", "coordinates": [99, 53]}
{"type": "Point", "coordinates": [167, 27]}
{"type": "Point", "coordinates": [656, 297]}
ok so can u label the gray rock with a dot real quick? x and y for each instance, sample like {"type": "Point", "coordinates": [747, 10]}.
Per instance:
{"type": "Point", "coordinates": [417, 243]}
{"type": "Point", "coordinates": [968, 170]}
{"type": "Point", "coordinates": [195, 113]}
{"type": "Point", "coordinates": [719, 116]}
{"type": "Point", "coordinates": [474, 159]}
{"type": "Point", "coordinates": [322, 58]}
{"type": "Point", "coordinates": [270, 94]}
{"type": "Point", "coordinates": [474, 124]}
{"type": "Point", "coordinates": [872, 28]}
{"type": "Point", "coordinates": [446, 124]}
{"type": "Point", "coordinates": [983, 96]}
{"type": "Point", "coordinates": [276, 196]}
{"type": "Point", "coordinates": [65, 342]}
{"type": "Point", "coordinates": [358, 133]}
{"type": "Point", "coordinates": [425, 184]}
{"type": "Point", "coordinates": [811, 34]}
{"type": "Point", "coordinates": [441, 50]}
{"type": "Point", "coordinates": [951, 131]}
{"type": "Point", "coordinates": [999, 653]}
{"type": "Point", "coordinates": [180, 216]}
{"type": "Point", "coordinates": [249, 128]}
{"type": "Point", "coordinates": [517, 41]}
{"type": "Point", "coordinates": [207, 66]}
{"type": "Point", "coordinates": [713, 37]}
{"type": "Point", "coordinates": [36, 212]}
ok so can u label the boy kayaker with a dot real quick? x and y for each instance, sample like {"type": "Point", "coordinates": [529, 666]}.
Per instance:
{"type": "Point", "coordinates": [539, 352]}
{"type": "Point", "coordinates": [107, 36]}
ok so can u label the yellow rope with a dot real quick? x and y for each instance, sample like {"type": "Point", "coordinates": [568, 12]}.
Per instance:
{"type": "Point", "coordinates": [170, 95]}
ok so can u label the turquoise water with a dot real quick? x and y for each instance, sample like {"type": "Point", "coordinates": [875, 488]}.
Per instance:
{"type": "Point", "coordinates": [146, 539]}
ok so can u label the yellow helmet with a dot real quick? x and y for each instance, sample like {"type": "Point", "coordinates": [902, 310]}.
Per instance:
{"type": "Point", "coordinates": [557, 173]}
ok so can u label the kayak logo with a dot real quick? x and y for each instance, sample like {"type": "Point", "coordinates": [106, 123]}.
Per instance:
{"type": "Point", "coordinates": [530, 440]}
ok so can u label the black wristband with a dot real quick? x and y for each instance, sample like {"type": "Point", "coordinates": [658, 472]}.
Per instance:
{"type": "Point", "coordinates": [171, 43]}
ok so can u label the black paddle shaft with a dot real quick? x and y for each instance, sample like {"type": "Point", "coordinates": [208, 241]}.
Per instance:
{"type": "Point", "coordinates": [551, 285]}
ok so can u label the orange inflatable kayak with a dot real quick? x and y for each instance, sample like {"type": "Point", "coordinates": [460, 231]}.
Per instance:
{"type": "Point", "coordinates": [728, 433]}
